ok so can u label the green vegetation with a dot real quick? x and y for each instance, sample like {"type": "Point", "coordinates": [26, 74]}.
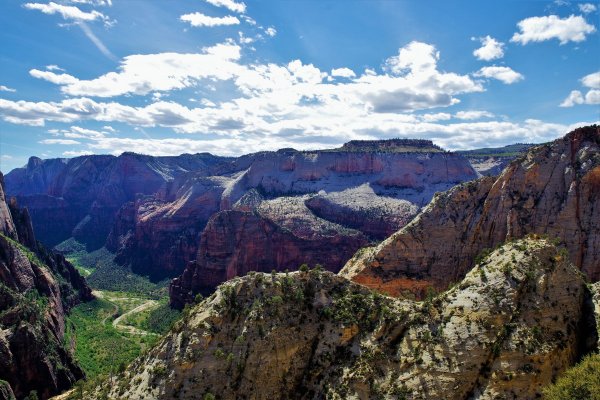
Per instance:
{"type": "Point", "coordinates": [99, 347]}
{"type": "Point", "coordinates": [103, 273]}
{"type": "Point", "coordinates": [160, 319]}
{"type": "Point", "coordinates": [582, 382]}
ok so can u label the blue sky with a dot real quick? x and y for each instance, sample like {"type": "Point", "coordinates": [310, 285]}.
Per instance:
{"type": "Point", "coordinates": [231, 77]}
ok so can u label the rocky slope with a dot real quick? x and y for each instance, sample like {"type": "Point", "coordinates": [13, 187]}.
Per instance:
{"type": "Point", "coordinates": [292, 207]}
{"type": "Point", "coordinates": [554, 190]}
{"type": "Point", "coordinates": [37, 288]}
{"type": "Point", "coordinates": [79, 197]}
{"type": "Point", "coordinates": [508, 328]}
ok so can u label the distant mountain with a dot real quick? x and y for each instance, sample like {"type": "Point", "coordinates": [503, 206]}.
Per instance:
{"type": "Point", "coordinates": [155, 212]}
{"type": "Point", "coordinates": [490, 161]}
{"type": "Point", "coordinates": [79, 197]}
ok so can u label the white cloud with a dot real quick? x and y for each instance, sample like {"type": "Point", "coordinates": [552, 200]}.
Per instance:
{"type": "Point", "coordinates": [143, 74]}
{"type": "Point", "coordinates": [474, 114]}
{"type": "Point", "coordinates": [592, 97]}
{"type": "Point", "coordinates": [229, 4]}
{"type": "Point", "coordinates": [503, 74]}
{"type": "Point", "coordinates": [53, 67]}
{"type": "Point", "coordinates": [59, 141]}
{"type": "Point", "coordinates": [270, 31]}
{"type": "Point", "coordinates": [343, 72]}
{"type": "Point", "coordinates": [92, 2]}
{"type": "Point", "coordinates": [199, 19]}
{"type": "Point", "coordinates": [587, 8]}
{"type": "Point", "coordinates": [57, 79]}
{"type": "Point", "coordinates": [71, 13]}
{"type": "Point", "coordinates": [538, 29]}
{"type": "Point", "coordinates": [575, 97]}
{"type": "Point", "coordinates": [490, 49]}
{"type": "Point", "coordinates": [592, 80]}
{"type": "Point", "coordinates": [7, 89]}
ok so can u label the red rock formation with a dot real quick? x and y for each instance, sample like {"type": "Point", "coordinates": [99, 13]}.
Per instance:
{"type": "Point", "coordinates": [553, 190]}
{"type": "Point", "coordinates": [81, 196]}
{"type": "Point", "coordinates": [32, 309]}
{"type": "Point", "coordinates": [237, 242]}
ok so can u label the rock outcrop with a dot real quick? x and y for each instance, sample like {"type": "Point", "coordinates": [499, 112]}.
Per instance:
{"type": "Point", "coordinates": [37, 288]}
{"type": "Point", "coordinates": [492, 161]}
{"type": "Point", "coordinates": [553, 190]}
{"type": "Point", "coordinates": [509, 328]}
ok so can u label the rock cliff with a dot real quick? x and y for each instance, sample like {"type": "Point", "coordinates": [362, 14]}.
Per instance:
{"type": "Point", "coordinates": [292, 207]}
{"type": "Point", "coordinates": [79, 197]}
{"type": "Point", "coordinates": [506, 330]}
{"type": "Point", "coordinates": [37, 288]}
{"type": "Point", "coordinates": [553, 190]}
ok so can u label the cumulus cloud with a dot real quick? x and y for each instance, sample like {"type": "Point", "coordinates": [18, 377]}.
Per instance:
{"type": "Point", "coordinates": [143, 74]}
{"type": "Point", "coordinates": [69, 13]}
{"type": "Point", "coordinates": [504, 74]}
{"type": "Point", "coordinates": [229, 4]}
{"type": "Point", "coordinates": [7, 89]}
{"type": "Point", "coordinates": [587, 8]}
{"type": "Point", "coordinates": [538, 29]}
{"type": "Point", "coordinates": [592, 97]}
{"type": "Point", "coordinates": [277, 105]}
{"type": "Point", "coordinates": [490, 49]}
{"type": "Point", "coordinates": [198, 19]}
{"type": "Point", "coordinates": [592, 80]}
{"type": "Point", "coordinates": [343, 72]}
{"type": "Point", "coordinates": [473, 114]}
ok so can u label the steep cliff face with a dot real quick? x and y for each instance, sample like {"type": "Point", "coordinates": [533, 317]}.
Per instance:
{"type": "Point", "coordinates": [294, 207]}
{"type": "Point", "coordinates": [79, 197]}
{"type": "Point", "coordinates": [37, 288]}
{"type": "Point", "coordinates": [553, 190]}
{"type": "Point", "coordinates": [279, 234]}
{"type": "Point", "coordinates": [506, 330]}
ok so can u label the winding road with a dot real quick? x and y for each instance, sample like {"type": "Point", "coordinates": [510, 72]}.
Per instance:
{"type": "Point", "coordinates": [117, 322]}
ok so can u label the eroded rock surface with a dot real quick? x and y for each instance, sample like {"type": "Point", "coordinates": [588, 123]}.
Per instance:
{"type": "Point", "coordinates": [553, 190]}
{"type": "Point", "coordinates": [508, 328]}
{"type": "Point", "coordinates": [37, 288]}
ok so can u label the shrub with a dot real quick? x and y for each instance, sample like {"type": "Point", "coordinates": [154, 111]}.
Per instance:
{"type": "Point", "coordinates": [577, 383]}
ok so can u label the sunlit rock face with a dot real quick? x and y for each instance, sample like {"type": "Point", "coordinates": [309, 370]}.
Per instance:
{"type": "Point", "coordinates": [288, 207]}
{"type": "Point", "coordinates": [508, 328]}
{"type": "Point", "coordinates": [553, 189]}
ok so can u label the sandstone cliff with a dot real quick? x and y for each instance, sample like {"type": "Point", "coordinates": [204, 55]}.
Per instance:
{"type": "Point", "coordinates": [554, 190]}
{"type": "Point", "coordinates": [279, 234]}
{"type": "Point", "coordinates": [294, 207]}
{"type": "Point", "coordinates": [507, 329]}
{"type": "Point", "coordinates": [79, 197]}
{"type": "Point", "coordinates": [37, 288]}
